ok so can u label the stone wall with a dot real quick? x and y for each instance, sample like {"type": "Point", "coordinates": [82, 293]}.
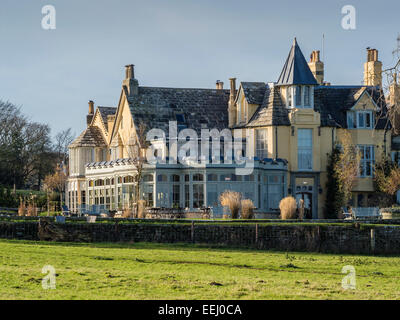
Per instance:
{"type": "Point", "coordinates": [350, 238]}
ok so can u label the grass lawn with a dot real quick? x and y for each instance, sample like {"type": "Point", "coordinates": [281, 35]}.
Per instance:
{"type": "Point", "coordinates": [180, 271]}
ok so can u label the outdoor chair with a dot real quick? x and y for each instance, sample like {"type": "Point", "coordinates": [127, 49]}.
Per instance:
{"type": "Point", "coordinates": [65, 210]}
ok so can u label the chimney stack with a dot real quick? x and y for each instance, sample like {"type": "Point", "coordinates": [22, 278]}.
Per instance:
{"type": "Point", "coordinates": [372, 69]}
{"type": "Point", "coordinates": [110, 122]}
{"type": "Point", "coordinates": [232, 106]}
{"type": "Point", "coordinates": [130, 82]}
{"type": "Point", "coordinates": [130, 71]}
{"type": "Point", "coordinates": [219, 85]}
{"type": "Point", "coordinates": [317, 67]}
{"type": "Point", "coordinates": [90, 114]}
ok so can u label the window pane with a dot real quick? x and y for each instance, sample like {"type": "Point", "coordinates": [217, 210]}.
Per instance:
{"type": "Point", "coordinates": [350, 120]}
{"type": "Point", "coordinates": [261, 144]}
{"type": "Point", "coordinates": [298, 95]}
{"type": "Point", "coordinates": [361, 120]}
{"type": "Point", "coordinates": [307, 100]}
{"type": "Point", "coordinates": [368, 120]}
{"type": "Point", "coordinates": [304, 149]}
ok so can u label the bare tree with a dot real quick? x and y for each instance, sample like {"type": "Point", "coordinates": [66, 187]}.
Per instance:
{"type": "Point", "coordinates": [347, 168]}
{"type": "Point", "coordinates": [62, 140]}
{"type": "Point", "coordinates": [55, 182]}
{"type": "Point", "coordinates": [137, 154]}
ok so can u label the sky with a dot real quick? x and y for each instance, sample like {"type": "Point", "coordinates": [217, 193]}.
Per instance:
{"type": "Point", "coordinates": [52, 74]}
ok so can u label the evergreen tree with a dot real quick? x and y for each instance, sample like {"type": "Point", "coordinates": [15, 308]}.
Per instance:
{"type": "Point", "coordinates": [334, 197]}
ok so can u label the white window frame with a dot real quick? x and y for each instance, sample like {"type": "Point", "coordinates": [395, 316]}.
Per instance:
{"type": "Point", "coordinates": [261, 143]}
{"type": "Point", "coordinates": [291, 97]}
{"type": "Point", "coordinates": [304, 149]}
{"type": "Point", "coordinates": [363, 161]}
{"type": "Point", "coordinates": [365, 112]}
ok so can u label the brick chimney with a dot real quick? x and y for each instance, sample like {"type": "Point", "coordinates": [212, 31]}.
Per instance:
{"type": "Point", "coordinates": [219, 85]}
{"type": "Point", "coordinates": [317, 67]}
{"type": "Point", "coordinates": [90, 114]}
{"type": "Point", "coordinates": [232, 106]}
{"type": "Point", "coordinates": [130, 82]}
{"type": "Point", "coordinates": [372, 69]}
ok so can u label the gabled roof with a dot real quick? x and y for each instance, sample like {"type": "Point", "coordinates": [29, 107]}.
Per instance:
{"type": "Point", "coordinates": [254, 91]}
{"type": "Point", "coordinates": [191, 108]}
{"type": "Point", "coordinates": [296, 70]}
{"type": "Point", "coordinates": [333, 102]}
{"type": "Point", "coordinates": [91, 137]}
{"type": "Point", "coordinates": [105, 112]}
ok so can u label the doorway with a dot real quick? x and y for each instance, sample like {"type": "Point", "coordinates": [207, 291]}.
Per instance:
{"type": "Point", "coordinates": [307, 198]}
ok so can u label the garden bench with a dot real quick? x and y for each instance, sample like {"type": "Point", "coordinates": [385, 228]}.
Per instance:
{"type": "Point", "coordinates": [366, 213]}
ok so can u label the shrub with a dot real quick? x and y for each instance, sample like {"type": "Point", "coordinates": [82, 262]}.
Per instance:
{"type": "Point", "coordinates": [247, 209]}
{"type": "Point", "coordinates": [288, 208]}
{"type": "Point", "coordinates": [141, 209]}
{"type": "Point", "coordinates": [22, 209]}
{"type": "Point", "coordinates": [31, 211]}
{"type": "Point", "coordinates": [126, 213]}
{"type": "Point", "coordinates": [231, 199]}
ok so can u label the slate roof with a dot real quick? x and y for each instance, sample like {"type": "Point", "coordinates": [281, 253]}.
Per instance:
{"type": "Point", "coordinates": [272, 110]}
{"type": "Point", "coordinates": [334, 101]}
{"type": "Point", "coordinates": [91, 137]}
{"type": "Point", "coordinates": [106, 111]}
{"type": "Point", "coordinates": [296, 70]}
{"type": "Point", "coordinates": [191, 108]}
{"type": "Point", "coordinates": [254, 91]}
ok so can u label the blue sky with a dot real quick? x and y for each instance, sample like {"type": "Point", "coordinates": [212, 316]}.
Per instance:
{"type": "Point", "coordinates": [173, 43]}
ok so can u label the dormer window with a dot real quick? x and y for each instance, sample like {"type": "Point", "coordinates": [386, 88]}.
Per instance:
{"type": "Point", "coordinates": [299, 96]}
{"type": "Point", "coordinates": [360, 119]}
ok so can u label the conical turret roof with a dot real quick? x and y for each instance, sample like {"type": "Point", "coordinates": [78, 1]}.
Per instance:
{"type": "Point", "coordinates": [296, 70]}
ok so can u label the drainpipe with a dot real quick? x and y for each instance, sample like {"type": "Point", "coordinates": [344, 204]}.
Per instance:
{"type": "Point", "coordinates": [276, 142]}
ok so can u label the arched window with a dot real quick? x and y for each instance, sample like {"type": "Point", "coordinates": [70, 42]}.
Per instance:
{"type": "Point", "coordinates": [162, 178]}
{"type": "Point", "coordinates": [175, 178]}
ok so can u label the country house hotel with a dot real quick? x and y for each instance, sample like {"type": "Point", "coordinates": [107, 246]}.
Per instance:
{"type": "Point", "coordinates": [286, 127]}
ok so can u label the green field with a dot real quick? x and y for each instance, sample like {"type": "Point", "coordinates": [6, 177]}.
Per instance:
{"type": "Point", "coordinates": [166, 271]}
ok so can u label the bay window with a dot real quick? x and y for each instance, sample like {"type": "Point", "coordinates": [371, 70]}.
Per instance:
{"type": "Point", "coordinates": [299, 96]}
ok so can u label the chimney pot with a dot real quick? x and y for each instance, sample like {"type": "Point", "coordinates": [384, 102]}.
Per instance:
{"type": "Point", "coordinates": [129, 71]}
{"type": "Point", "coordinates": [91, 107]}
{"type": "Point", "coordinates": [219, 85]}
